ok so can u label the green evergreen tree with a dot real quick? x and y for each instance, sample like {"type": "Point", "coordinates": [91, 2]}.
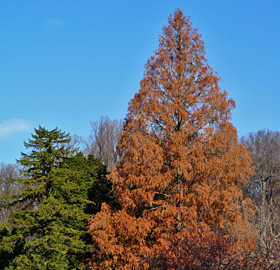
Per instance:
{"type": "Point", "coordinates": [50, 229]}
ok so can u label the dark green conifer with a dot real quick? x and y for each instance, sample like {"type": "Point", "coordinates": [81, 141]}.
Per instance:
{"type": "Point", "coordinates": [56, 198]}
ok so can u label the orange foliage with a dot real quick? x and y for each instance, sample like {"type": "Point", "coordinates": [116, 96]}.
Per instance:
{"type": "Point", "coordinates": [181, 168]}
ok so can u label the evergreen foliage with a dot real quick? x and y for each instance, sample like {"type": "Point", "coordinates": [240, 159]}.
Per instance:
{"type": "Point", "coordinates": [50, 229]}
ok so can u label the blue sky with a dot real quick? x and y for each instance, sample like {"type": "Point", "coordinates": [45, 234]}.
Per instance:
{"type": "Point", "coordinates": [65, 63]}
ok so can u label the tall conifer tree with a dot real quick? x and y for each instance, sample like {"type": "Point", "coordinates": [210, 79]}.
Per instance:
{"type": "Point", "coordinates": [181, 169]}
{"type": "Point", "coordinates": [50, 229]}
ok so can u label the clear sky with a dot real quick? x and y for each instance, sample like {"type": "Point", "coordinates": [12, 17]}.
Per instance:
{"type": "Point", "coordinates": [65, 63]}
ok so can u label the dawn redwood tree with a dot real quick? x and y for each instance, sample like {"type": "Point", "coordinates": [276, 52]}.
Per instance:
{"type": "Point", "coordinates": [181, 167]}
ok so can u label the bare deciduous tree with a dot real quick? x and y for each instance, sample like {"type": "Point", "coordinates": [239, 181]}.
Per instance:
{"type": "Point", "coordinates": [7, 171]}
{"type": "Point", "coordinates": [214, 252]}
{"type": "Point", "coordinates": [78, 143]}
{"type": "Point", "coordinates": [264, 186]}
{"type": "Point", "coordinates": [104, 139]}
